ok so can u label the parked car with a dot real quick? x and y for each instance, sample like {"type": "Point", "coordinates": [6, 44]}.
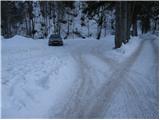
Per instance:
{"type": "Point", "coordinates": [55, 40]}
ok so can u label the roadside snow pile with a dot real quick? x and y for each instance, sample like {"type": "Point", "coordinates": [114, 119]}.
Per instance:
{"type": "Point", "coordinates": [156, 40]}
{"type": "Point", "coordinates": [125, 51]}
{"type": "Point", "coordinates": [16, 41]}
{"type": "Point", "coordinates": [1, 37]}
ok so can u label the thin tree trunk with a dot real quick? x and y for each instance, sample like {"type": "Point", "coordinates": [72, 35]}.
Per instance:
{"type": "Point", "coordinates": [29, 27]}
{"type": "Point", "coordinates": [26, 25]}
{"type": "Point", "coordinates": [68, 26]}
{"type": "Point", "coordinates": [124, 24]}
{"type": "Point", "coordinates": [105, 27]}
{"type": "Point", "coordinates": [33, 28]}
{"type": "Point", "coordinates": [88, 29]}
{"type": "Point", "coordinates": [100, 24]}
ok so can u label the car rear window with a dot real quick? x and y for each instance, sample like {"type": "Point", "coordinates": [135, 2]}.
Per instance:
{"type": "Point", "coordinates": [54, 36]}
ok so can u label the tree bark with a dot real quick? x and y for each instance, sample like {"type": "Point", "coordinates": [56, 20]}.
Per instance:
{"type": "Point", "coordinates": [123, 23]}
{"type": "Point", "coordinates": [145, 24]}
{"type": "Point", "coordinates": [26, 25]}
{"type": "Point", "coordinates": [88, 28]}
{"type": "Point", "coordinates": [128, 21]}
{"type": "Point", "coordinates": [118, 38]}
{"type": "Point", "coordinates": [135, 26]}
{"type": "Point", "coordinates": [100, 24]}
{"type": "Point", "coordinates": [33, 31]}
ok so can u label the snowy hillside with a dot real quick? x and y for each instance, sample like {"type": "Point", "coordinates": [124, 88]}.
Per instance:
{"type": "Point", "coordinates": [82, 79]}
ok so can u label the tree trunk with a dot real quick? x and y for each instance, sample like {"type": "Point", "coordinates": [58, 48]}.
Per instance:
{"type": "Point", "coordinates": [29, 27]}
{"type": "Point", "coordinates": [105, 27]}
{"type": "Point", "coordinates": [68, 26]}
{"type": "Point", "coordinates": [118, 38]}
{"type": "Point", "coordinates": [100, 26]}
{"type": "Point", "coordinates": [155, 25]}
{"type": "Point", "coordinates": [99, 33]}
{"type": "Point", "coordinates": [129, 14]}
{"type": "Point", "coordinates": [134, 26]}
{"type": "Point", "coordinates": [88, 28]}
{"type": "Point", "coordinates": [145, 24]}
{"type": "Point", "coordinates": [26, 25]}
{"type": "Point", "coordinates": [124, 25]}
{"type": "Point", "coordinates": [33, 31]}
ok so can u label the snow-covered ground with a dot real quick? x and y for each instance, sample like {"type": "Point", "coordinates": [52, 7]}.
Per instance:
{"type": "Point", "coordinates": [85, 78]}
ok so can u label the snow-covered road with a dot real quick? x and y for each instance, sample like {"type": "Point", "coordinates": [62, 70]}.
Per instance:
{"type": "Point", "coordinates": [82, 79]}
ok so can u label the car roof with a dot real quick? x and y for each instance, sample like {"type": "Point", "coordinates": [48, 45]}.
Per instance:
{"type": "Point", "coordinates": [55, 36]}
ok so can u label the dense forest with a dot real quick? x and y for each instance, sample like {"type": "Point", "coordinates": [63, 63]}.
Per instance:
{"type": "Point", "coordinates": [71, 19]}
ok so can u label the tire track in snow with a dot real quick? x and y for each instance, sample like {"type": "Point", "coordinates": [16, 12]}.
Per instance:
{"type": "Point", "coordinates": [101, 98]}
{"type": "Point", "coordinates": [156, 69]}
{"type": "Point", "coordinates": [116, 78]}
{"type": "Point", "coordinates": [73, 108]}
{"type": "Point", "coordinates": [126, 78]}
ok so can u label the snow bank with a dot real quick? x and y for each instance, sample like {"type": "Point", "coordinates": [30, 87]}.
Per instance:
{"type": "Point", "coordinates": [125, 51]}
{"type": "Point", "coordinates": [1, 37]}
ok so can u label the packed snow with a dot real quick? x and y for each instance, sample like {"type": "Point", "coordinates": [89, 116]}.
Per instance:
{"type": "Point", "coordinates": [85, 78]}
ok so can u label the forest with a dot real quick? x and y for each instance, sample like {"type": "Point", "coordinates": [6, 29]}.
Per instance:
{"type": "Point", "coordinates": [38, 19]}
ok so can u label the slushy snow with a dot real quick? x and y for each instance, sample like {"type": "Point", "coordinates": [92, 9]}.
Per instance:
{"type": "Point", "coordinates": [85, 78]}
